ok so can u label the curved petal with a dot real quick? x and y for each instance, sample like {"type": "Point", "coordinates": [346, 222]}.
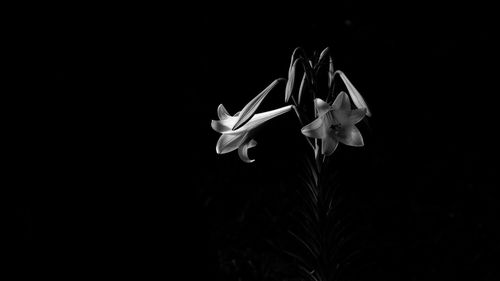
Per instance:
{"type": "Point", "coordinates": [321, 106]}
{"type": "Point", "coordinates": [229, 142]}
{"type": "Point", "coordinates": [263, 117]}
{"type": "Point", "coordinates": [243, 151]}
{"type": "Point", "coordinates": [349, 118]}
{"type": "Point", "coordinates": [248, 111]}
{"type": "Point", "coordinates": [328, 146]}
{"type": "Point", "coordinates": [355, 95]}
{"type": "Point", "coordinates": [350, 136]}
{"type": "Point", "coordinates": [225, 125]}
{"type": "Point", "coordinates": [342, 102]}
{"type": "Point", "coordinates": [222, 112]}
{"type": "Point", "coordinates": [316, 129]}
{"type": "Point", "coordinates": [356, 115]}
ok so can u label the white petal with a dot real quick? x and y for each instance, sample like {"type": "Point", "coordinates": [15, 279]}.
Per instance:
{"type": "Point", "coordinates": [224, 125]}
{"type": "Point", "coordinates": [243, 151]}
{"type": "Point", "coordinates": [222, 112]}
{"type": "Point", "coordinates": [316, 129]}
{"type": "Point", "coordinates": [229, 142]}
{"type": "Point", "coordinates": [342, 102]}
{"type": "Point", "coordinates": [249, 109]}
{"type": "Point", "coordinates": [321, 106]}
{"type": "Point", "coordinates": [355, 95]}
{"type": "Point", "coordinates": [356, 115]}
{"type": "Point", "coordinates": [328, 146]}
{"type": "Point", "coordinates": [350, 136]}
{"type": "Point", "coordinates": [260, 118]}
{"type": "Point", "coordinates": [349, 117]}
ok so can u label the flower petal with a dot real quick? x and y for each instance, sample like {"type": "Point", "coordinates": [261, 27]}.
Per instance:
{"type": "Point", "coordinates": [328, 146]}
{"type": "Point", "coordinates": [243, 151]}
{"type": "Point", "coordinates": [222, 112]}
{"type": "Point", "coordinates": [356, 115]}
{"type": "Point", "coordinates": [342, 102]}
{"type": "Point", "coordinates": [350, 136]}
{"type": "Point", "coordinates": [224, 125]}
{"type": "Point", "coordinates": [229, 142]}
{"type": "Point", "coordinates": [263, 117]}
{"type": "Point", "coordinates": [316, 129]}
{"type": "Point", "coordinates": [355, 95]}
{"type": "Point", "coordinates": [249, 109]}
{"type": "Point", "coordinates": [321, 106]}
{"type": "Point", "coordinates": [348, 117]}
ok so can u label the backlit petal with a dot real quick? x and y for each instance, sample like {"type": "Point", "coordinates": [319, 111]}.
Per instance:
{"type": "Point", "coordinates": [321, 106]}
{"type": "Point", "coordinates": [316, 129]}
{"type": "Point", "coordinates": [243, 151]}
{"type": "Point", "coordinates": [342, 102]}
{"type": "Point", "coordinates": [248, 111]}
{"type": "Point", "coordinates": [328, 146]}
{"type": "Point", "coordinates": [229, 142]}
{"type": "Point", "coordinates": [350, 136]}
{"type": "Point", "coordinates": [356, 115]}
{"type": "Point", "coordinates": [263, 117]}
{"type": "Point", "coordinates": [222, 112]}
{"type": "Point", "coordinates": [355, 95]}
{"type": "Point", "coordinates": [224, 125]}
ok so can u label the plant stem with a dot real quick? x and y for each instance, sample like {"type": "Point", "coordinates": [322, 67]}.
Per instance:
{"type": "Point", "coordinates": [300, 121]}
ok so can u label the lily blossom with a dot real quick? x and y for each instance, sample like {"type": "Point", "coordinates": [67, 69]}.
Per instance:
{"type": "Point", "coordinates": [240, 138]}
{"type": "Point", "coordinates": [335, 123]}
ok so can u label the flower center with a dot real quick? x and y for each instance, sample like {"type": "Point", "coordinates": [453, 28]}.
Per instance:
{"type": "Point", "coordinates": [335, 127]}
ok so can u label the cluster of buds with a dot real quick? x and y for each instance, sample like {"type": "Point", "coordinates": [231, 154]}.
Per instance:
{"type": "Point", "coordinates": [332, 123]}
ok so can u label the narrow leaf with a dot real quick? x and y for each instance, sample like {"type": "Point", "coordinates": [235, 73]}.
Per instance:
{"type": "Point", "coordinates": [314, 252]}
{"type": "Point", "coordinates": [249, 110]}
{"type": "Point", "coordinates": [309, 274]}
{"type": "Point", "coordinates": [295, 256]}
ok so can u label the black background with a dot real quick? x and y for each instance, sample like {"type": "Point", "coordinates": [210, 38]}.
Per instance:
{"type": "Point", "coordinates": [116, 164]}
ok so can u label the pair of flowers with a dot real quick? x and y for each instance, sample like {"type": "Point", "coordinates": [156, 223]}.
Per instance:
{"type": "Point", "coordinates": [333, 124]}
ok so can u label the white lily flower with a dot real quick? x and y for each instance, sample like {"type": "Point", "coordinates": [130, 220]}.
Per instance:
{"type": "Point", "coordinates": [335, 123]}
{"type": "Point", "coordinates": [357, 99]}
{"type": "Point", "coordinates": [240, 138]}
